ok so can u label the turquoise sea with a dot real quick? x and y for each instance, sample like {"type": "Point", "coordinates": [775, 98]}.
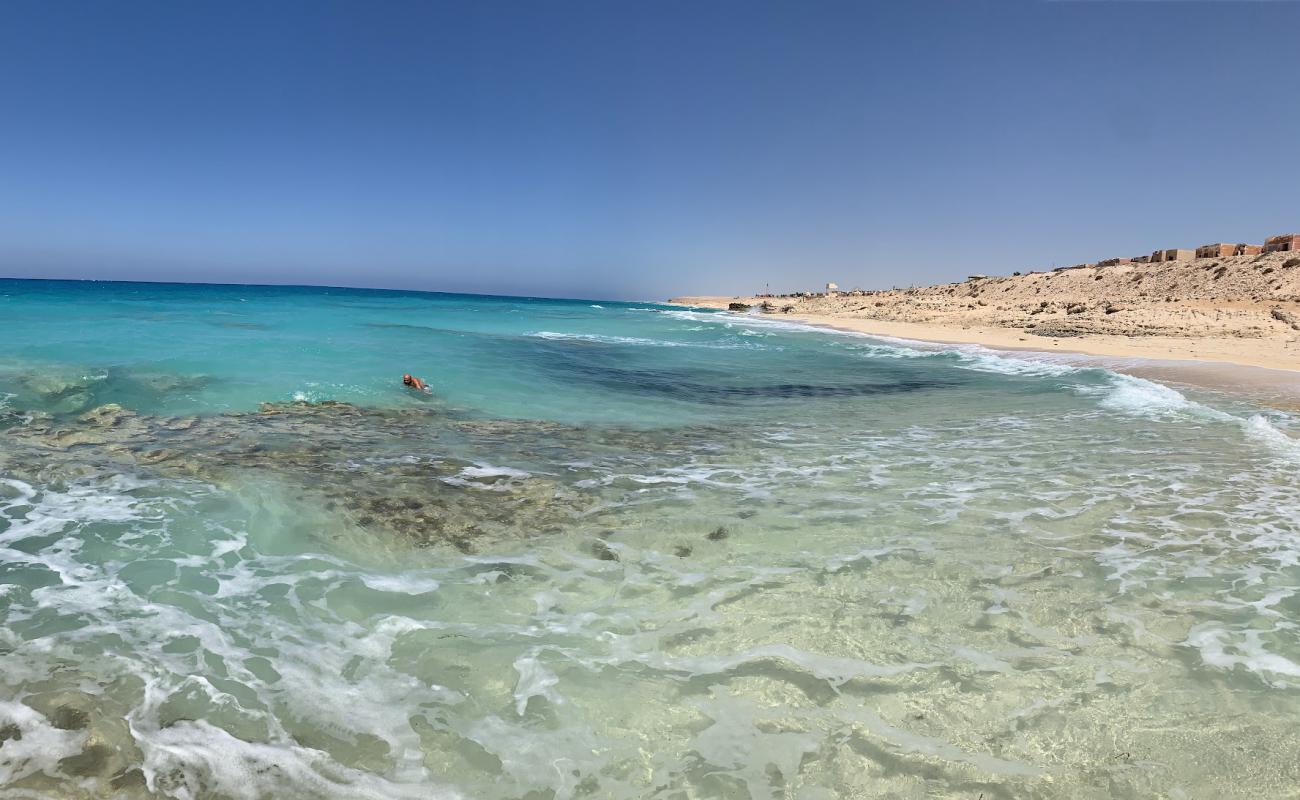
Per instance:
{"type": "Point", "coordinates": [621, 550]}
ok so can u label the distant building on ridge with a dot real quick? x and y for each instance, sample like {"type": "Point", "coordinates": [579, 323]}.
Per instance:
{"type": "Point", "coordinates": [1285, 243]}
{"type": "Point", "coordinates": [1176, 254]}
{"type": "Point", "coordinates": [1218, 250]}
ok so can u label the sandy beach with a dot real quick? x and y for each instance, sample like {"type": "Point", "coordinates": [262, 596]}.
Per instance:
{"type": "Point", "coordinates": [1223, 323]}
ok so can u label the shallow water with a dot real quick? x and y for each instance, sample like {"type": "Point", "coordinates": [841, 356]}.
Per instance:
{"type": "Point", "coordinates": [622, 551]}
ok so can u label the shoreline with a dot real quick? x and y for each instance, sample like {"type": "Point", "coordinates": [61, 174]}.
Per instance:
{"type": "Point", "coordinates": [1209, 363]}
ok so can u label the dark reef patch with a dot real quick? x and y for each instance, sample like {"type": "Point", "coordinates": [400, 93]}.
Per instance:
{"type": "Point", "coordinates": [70, 392]}
{"type": "Point", "coordinates": [608, 370]}
{"type": "Point", "coordinates": [249, 326]}
{"type": "Point", "coordinates": [423, 474]}
{"type": "Point", "coordinates": [403, 326]}
{"type": "Point", "coordinates": [331, 455]}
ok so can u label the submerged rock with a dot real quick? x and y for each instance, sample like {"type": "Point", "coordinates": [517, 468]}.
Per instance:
{"type": "Point", "coordinates": [603, 551]}
{"type": "Point", "coordinates": [307, 408]}
{"type": "Point", "coordinates": [423, 476]}
{"type": "Point", "coordinates": [354, 462]}
{"type": "Point", "coordinates": [52, 387]}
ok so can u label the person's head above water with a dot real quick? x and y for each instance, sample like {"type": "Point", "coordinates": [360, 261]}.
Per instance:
{"type": "Point", "coordinates": [407, 379]}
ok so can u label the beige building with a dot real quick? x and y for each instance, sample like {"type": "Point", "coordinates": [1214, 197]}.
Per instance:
{"type": "Point", "coordinates": [1286, 243]}
{"type": "Point", "coordinates": [1218, 250]}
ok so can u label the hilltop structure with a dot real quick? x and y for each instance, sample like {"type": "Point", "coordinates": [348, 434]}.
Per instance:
{"type": "Point", "coordinates": [1219, 250]}
{"type": "Point", "coordinates": [1286, 243]}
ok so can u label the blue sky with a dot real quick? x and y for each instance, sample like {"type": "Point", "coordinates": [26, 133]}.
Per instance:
{"type": "Point", "coordinates": [635, 149]}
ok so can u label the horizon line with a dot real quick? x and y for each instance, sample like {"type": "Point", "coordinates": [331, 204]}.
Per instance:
{"type": "Point", "coordinates": [327, 286]}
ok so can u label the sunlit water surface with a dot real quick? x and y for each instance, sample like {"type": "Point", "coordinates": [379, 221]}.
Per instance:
{"type": "Point", "coordinates": [622, 551]}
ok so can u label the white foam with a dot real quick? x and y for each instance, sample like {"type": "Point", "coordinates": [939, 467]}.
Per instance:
{"type": "Point", "coordinates": [484, 470]}
{"type": "Point", "coordinates": [746, 481]}
{"type": "Point", "coordinates": [969, 356]}
{"type": "Point", "coordinates": [487, 476]}
{"type": "Point", "coordinates": [973, 357]}
{"type": "Point", "coordinates": [748, 320]}
{"type": "Point", "coordinates": [40, 746]}
{"type": "Point", "coordinates": [535, 680]}
{"type": "Point", "coordinates": [403, 583]}
{"type": "Point", "coordinates": [1123, 393]}
{"type": "Point", "coordinates": [1259, 428]}
{"type": "Point", "coordinates": [187, 760]}
{"type": "Point", "coordinates": [314, 649]}
{"type": "Point", "coordinates": [1213, 641]}
{"type": "Point", "coordinates": [51, 511]}
{"type": "Point", "coordinates": [981, 359]}
{"type": "Point", "coordinates": [1140, 396]}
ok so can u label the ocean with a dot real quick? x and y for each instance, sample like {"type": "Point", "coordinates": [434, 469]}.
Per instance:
{"type": "Point", "coordinates": [620, 550]}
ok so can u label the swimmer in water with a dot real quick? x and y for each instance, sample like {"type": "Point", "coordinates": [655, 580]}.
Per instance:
{"type": "Point", "coordinates": [415, 383]}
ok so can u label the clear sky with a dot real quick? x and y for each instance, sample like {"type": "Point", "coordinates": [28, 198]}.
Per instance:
{"type": "Point", "coordinates": [620, 149]}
